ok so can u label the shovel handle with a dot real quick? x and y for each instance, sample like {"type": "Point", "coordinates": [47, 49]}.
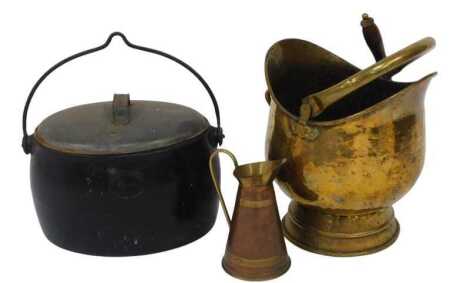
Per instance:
{"type": "Point", "coordinates": [314, 104]}
{"type": "Point", "coordinates": [374, 40]}
{"type": "Point", "coordinates": [215, 181]}
{"type": "Point", "coordinates": [373, 37]}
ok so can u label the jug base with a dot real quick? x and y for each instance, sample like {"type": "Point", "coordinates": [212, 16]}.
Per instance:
{"type": "Point", "coordinates": [340, 233]}
{"type": "Point", "coordinates": [256, 270]}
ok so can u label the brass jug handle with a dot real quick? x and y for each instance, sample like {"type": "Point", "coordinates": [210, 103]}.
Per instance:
{"type": "Point", "coordinates": [214, 179]}
{"type": "Point", "coordinates": [314, 104]}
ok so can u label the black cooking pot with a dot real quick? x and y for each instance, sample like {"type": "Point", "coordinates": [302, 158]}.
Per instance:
{"type": "Point", "coordinates": [124, 177]}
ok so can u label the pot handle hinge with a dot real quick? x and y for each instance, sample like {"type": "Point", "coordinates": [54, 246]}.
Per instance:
{"type": "Point", "coordinates": [27, 143]}
{"type": "Point", "coordinates": [216, 136]}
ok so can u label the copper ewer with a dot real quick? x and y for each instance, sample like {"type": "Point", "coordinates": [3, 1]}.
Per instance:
{"type": "Point", "coordinates": [354, 141]}
{"type": "Point", "coordinates": [255, 247]}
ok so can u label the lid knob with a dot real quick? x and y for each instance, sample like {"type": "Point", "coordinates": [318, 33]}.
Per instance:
{"type": "Point", "coordinates": [121, 112]}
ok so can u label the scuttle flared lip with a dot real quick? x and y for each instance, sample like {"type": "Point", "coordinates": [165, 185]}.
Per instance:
{"type": "Point", "coordinates": [333, 56]}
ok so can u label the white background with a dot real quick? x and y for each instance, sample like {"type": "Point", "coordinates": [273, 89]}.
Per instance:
{"type": "Point", "coordinates": [226, 42]}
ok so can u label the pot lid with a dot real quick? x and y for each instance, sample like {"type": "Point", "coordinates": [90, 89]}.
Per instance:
{"type": "Point", "coordinates": [119, 127]}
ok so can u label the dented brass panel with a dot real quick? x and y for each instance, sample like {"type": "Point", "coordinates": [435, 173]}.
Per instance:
{"type": "Point", "coordinates": [363, 162]}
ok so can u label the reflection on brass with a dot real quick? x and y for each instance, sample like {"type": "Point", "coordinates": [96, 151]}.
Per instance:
{"type": "Point", "coordinates": [255, 247]}
{"type": "Point", "coordinates": [354, 143]}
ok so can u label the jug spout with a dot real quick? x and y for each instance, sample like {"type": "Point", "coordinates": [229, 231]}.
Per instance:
{"type": "Point", "coordinates": [258, 174]}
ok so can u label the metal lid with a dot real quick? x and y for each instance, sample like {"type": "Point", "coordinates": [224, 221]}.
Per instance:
{"type": "Point", "coordinates": [120, 127]}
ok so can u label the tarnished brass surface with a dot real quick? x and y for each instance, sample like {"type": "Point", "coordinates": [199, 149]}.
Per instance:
{"type": "Point", "coordinates": [340, 233]}
{"type": "Point", "coordinates": [347, 166]}
{"type": "Point", "coordinates": [255, 247]}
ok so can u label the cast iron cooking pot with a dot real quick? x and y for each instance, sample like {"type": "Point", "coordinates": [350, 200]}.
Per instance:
{"type": "Point", "coordinates": [124, 177]}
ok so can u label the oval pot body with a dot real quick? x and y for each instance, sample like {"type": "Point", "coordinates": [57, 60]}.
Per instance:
{"type": "Point", "coordinates": [126, 204]}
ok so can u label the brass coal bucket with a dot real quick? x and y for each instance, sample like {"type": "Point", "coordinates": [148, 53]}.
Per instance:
{"type": "Point", "coordinates": [354, 141]}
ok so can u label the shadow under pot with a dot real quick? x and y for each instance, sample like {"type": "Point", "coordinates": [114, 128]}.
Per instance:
{"type": "Point", "coordinates": [125, 177]}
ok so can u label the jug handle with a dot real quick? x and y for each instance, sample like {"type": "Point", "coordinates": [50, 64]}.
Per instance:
{"type": "Point", "coordinates": [214, 179]}
{"type": "Point", "coordinates": [314, 104]}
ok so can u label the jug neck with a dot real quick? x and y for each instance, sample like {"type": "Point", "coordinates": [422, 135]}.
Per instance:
{"type": "Point", "coordinates": [258, 174]}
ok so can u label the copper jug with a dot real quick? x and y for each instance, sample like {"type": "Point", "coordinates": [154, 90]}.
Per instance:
{"type": "Point", "coordinates": [255, 247]}
{"type": "Point", "coordinates": [354, 141]}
